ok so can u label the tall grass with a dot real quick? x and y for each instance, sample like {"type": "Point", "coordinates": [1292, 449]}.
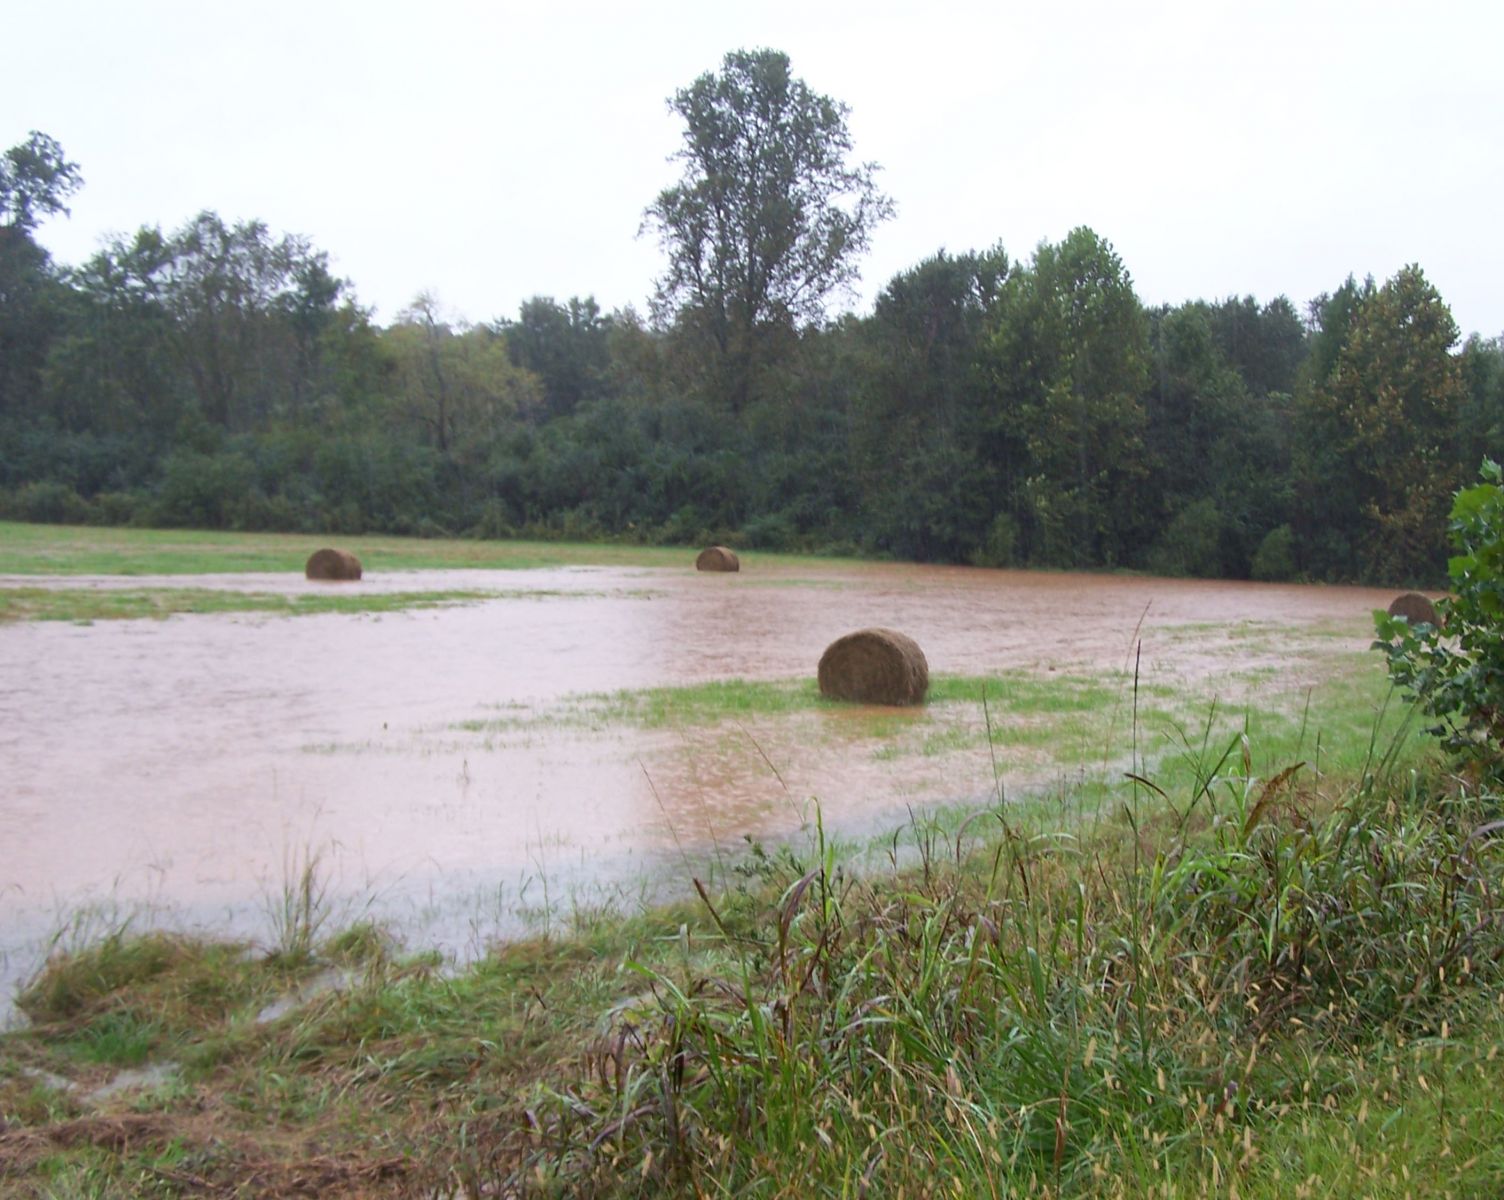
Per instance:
{"type": "Point", "coordinates": [300, 909]}
{"type": "Point", "coordinates": [1139, 1006]}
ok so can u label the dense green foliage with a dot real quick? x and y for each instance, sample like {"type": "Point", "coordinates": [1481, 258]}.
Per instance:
{"type": "Point", "coordinates": [1456, 670]}
{"type": "Point", "coordinates": [989, 409]}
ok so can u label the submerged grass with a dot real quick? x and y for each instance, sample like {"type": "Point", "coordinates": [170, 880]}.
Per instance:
{"type": "Point", "coordinates": [1235, 973]}
{"type": "Point", "coordinates": [1069, 720]}
{"type": "Point", "coordinates": [119, 604]}
{"type": "Point", "coordinates": [1021, 694]}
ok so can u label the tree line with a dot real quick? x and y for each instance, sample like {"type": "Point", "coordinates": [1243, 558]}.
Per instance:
{"type": "Point", "coordinates": [991, 410]}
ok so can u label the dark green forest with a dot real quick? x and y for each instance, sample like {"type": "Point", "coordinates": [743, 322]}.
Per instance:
{"type": "Point", "coordinates": [991, 408]}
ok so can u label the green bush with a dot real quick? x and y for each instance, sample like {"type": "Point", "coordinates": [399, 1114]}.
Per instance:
{"type": "Point", "coordinates": [203, 491]}
{"type": "Point", "coordinates": [1000, 547]}
{"type": "Point", "coordinates": [1456, 672]}
{"type": "Point", "coordinates": [770, 531]}
{"type": "Point", "coordinates": [116, 508]}
{"type": "Point", "coordinates": [1274, 560]}
{"type": "Point", "coordinates": [1192, 543]}
{"type": "Point", "coordinates": [46, 502]}
{"type": "Point", "coordinates": [494, 521]}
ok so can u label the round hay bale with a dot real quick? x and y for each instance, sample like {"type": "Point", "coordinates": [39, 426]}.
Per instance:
{"type": "Point", "coordinates": [1416, 609]}
{"type": "Point", "coordinates": [717, 558]}
{"type": "Point", "coordinates": [332, 564]}
{"type": "Point", "coordinates": [874, 666]}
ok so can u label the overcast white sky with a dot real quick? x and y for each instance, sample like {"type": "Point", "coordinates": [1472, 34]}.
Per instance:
{"type": "Point", "coordinates": [491, 152]}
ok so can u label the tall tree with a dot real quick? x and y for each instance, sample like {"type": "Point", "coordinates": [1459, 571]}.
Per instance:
{"type": "Point", "coordinates": [927, 328]}
{"type": "Point", "coordinates": [1481, 421]}
{"type": "Point", "coordinates": [1265, 345]}
{"type": "Point", "coordinates": [35, 180]}
{"type": "Point", "coordinates": [1218, 449]}
{"type": "Point", "coordinates": [1389, 409]}
{"type": "Point", "coordinates": [918, 384]}
{"type": "Point", "coordinates": [226, 287]}
{"type": "Point", "coordinates": [1065, 439]}
{"type": "Point", "coordinates": [769, 217]}
{"type": "Point", "coordinates": [245, 318]}
{"type": "Point", "coordinates": [566, 346]}
{"type": "Point", "coordinates": [117, 369]}
{"type": "Point", "coordinates": [1325, 508]}
{"type": "Point", "coordinates": [455, 381]}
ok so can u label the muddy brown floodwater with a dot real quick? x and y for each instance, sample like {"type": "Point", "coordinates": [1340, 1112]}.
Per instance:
{"type": "Point", "coordinates": [184, 767]}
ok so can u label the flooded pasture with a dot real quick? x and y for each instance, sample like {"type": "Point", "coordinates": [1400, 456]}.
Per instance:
{"type": "Point", "coordinates": [442, 768]}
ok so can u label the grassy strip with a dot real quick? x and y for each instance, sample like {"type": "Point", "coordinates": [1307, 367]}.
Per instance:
{"type": "Point", "coordinates": [1019, 694]}
{"type": "Point", "coordinates": [1267, 981]}
{"type": "Point", "coordinates": [1059, 718]}
{"type": "Point", "coordinates": [1352, 723]}
{"type": "Point", "coordinates": [112, 604]}
{"type": "Point", "coordinates": [88, 550]}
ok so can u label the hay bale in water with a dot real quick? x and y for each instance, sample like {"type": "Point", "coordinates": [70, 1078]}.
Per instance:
{"type": "Point", "coordinates": [332, 564]}
{"type": "Point", "coordinates": [874, 666]}
{"type": "Point", "coordinates": [717, 558]}
{"type": "Point", "coordinates": [1416, 609]}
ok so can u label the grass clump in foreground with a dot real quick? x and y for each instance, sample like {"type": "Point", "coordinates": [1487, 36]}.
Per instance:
{"type": "Point", "coordinates": [1269, 987]}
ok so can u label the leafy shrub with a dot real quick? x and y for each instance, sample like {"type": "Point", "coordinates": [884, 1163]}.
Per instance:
{"type": "Point", "coordinates": [1274, 560]}
{"type": "Point", "coordinates": [685, 527]}
{"type": "Point", "coordinates": [1000, 547]}
{"type": "Point", "coordinates": [344, 518]}
{"type": "Point", "coordinates": [258, 511]}
{"type": "Point", "coordinates": [494, 521]}
{"type": "Point", "coordinates": [771, 531]}
{"type": "Point", "coordinates": [1192, 543]}
{"type": "Point", "coordinates": [1456, 672]}
{"type": "Point", "coordinates": [203, 491]}
{"type": "Point", "coordinates": [47, 502]}
{"type": "Point", "coordinates": [116, 508]}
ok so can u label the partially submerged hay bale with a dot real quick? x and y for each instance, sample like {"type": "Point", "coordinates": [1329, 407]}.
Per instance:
{"type": "Point", "coordinates": [874, 666]}
{"type": "Point", "coordinates": [333, 564]}
{"type": "Point", "coordinates": [1416, 609]}
{"type": "Point", "coordinates": [717, 558]}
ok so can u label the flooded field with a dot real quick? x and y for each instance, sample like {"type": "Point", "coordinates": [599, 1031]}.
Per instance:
{"type": "Point", "coordinates": [447, 771]}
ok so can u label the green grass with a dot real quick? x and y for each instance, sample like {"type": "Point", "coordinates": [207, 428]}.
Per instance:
{"type": "Point", "coordinates": [1071, 721]}
{"type": "Point", "coordinates": [88, 550]}
{"type": "Point", "coordinates": [122, 604]}
{"type": "Point", "coordinates": [692, 705]}
{"type": "Point", "coordinates": [1018, 694]}
{"type": "Point", "coordinates": [1412, 1121]}
{"type": "Point", "coordinates": [119, 1039]}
